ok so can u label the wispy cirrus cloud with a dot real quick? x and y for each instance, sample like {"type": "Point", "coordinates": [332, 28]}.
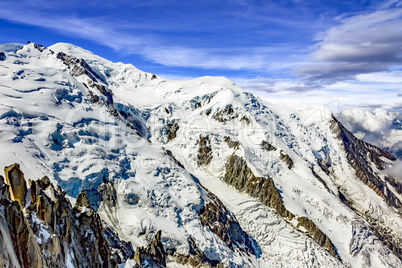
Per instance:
{"type": "Point", "coordinates": [169, 44]}
{"type": "Point", "coordinates": [102, 31]}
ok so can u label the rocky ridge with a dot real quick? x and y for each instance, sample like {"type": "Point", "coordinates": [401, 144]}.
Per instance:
{"type": "Point", "coordinates": [48, 231]}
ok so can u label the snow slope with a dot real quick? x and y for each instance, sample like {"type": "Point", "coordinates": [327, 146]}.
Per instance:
{"type": "Point", "coordinates": [50, 126]}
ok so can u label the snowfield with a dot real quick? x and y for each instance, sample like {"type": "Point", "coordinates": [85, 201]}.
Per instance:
{"type": "Point", "coordinates": [118, 124]}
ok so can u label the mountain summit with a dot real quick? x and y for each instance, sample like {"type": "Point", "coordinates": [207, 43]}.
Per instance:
{"type": "Point", "coordinates": [193, 173]}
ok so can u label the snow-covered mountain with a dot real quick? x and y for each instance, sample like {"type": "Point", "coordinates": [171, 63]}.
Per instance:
{"type": "Point", "coordinates": [229, 179]}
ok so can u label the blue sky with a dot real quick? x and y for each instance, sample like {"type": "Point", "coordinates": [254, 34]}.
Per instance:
{"type": "Point", "coordinates": [317, 52]}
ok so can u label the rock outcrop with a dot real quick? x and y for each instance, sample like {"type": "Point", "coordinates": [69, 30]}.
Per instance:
{"type": "Point", "coordinates": [226, 114]}
{"type": "Point", "coordinates": [153, 255]}
{"type": "Point", "coordinates": [286, 159]}
{"type": "Point", "coordinates": [219, 220]}
{"type": "Point", "coordinates": [231, 143]}
{"type": "Point", "coordinates": [196, 258]}
{"type": "Point", "coordinates": [88, 241]}
{"type": "Point", "coordinates": [239, 175]}
{"type": "Point", "coordinates": [267, 146]}
{"type": "Point", "coordinates": [314, 232]}
{"type": "Point", "coordinates": [360, 156]}
{"type": "Point", "coordinates": [204, 151]}
{"type": "Point", "coordinates": [172, 131]}
{"type": "Point", "coordinates": [49, 232]}
{"type": "Point", "coordinates": [15, 179]}
{"type": "Point", "coordinates": [170, 154]}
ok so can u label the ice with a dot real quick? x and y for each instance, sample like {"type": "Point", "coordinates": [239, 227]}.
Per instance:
{"type": "Point", "coordinates": [51, 126]}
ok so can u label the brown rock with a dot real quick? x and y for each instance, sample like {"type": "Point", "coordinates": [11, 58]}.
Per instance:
{"type": "Point", "coordinates": [82, 200]}
{"type": "Point", "coordinates": [43, 183]}
{"type": "Point", "coordinates": [221, 222]}
{"type": "Point", "coordinates": [44, 208]}
{"type": "Point", "coordinates": [321, 238]}
{"type": "Point", "coordinates": [15, 179]}
{"type": "Point", "coordinates": [4, 189]}
{"type": "Point", "coordinates": [267, 146]}
{"type": "Point", "coordinates": [25, 245]}
{"type": "Point", "coordinates": [204, 151]}
{"type": "Point", "coordinates": [154, 254]}
{"type": "Point", "coordinates": [232, 144]}
{"type": "Point", "coordinates": [226, 114]}
{"type": "Point", "coordinates": [286, 158]}
{"type": "Point", "coordinates": [239, 175]}
{"type": "Point", "coordinates": [34, 191]}
{"type": "Point", "coordinates": [196, 258]}
{"type": "Point", "coordinates": [172, 131]}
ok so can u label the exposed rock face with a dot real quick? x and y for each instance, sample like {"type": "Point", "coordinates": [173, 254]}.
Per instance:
{"type": "Point", "coordinates": [286, 159]}
{"type": "Point", "coordinates": [359, 155]}
{"type": "Point", "coordinates": [2, 56]}
{"type": "Point", "coordinates": [169, 153]}
{"type": "Point", "coordinates": [172, 131]}
{"type": "Point", "coordinates": [220, 221]}
{"type": "Point", "coordinates": [245, 119]}
{"type": "Point", "coordinates": [19, 246]}
{"type": "Point", "coordinates": [78, 66]}
{"type": "Point", "coordinates": [232, 144]}
{"type": "Point", "coordinates": [4, 189]}
{"type": "Point", "coordinates": [50, 233]}
{"type": "Point", "coordinates": [267, 146]}
{"type": "Point", "coordinates": [44, 208]}
{"type": "Point", "coordinates": [15, 179]}
{"type": "Point", "coordinates": [25, 247]}
{"type": "Point", "coordinates": [204, 151]}
{"type": "Point", "coordinates": [153, 255]}
{"type": "Point", "coordinates": [317, 234]}
{"type": "Point", "coordinates": [226, 114]}
{"type": "Point", "coordinates": [82, 201]}
{"type": "Point", "coordinates": [88, 241]}
{"type": "Point", "coordinates": [196, 258]}
{"type": "Point", "coordinates": [239, 175]}
{"type": "Point", "coordinates": [120, 250]}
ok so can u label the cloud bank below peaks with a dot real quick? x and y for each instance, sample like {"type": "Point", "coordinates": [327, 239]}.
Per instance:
{"type": "Point", "coordinates": [378, 127]}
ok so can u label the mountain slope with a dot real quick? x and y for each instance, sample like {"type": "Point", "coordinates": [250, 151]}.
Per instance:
{"type": "Point", "coordinates": [227, 178]}
{"type": "Point", "coordinates": [57, 118]}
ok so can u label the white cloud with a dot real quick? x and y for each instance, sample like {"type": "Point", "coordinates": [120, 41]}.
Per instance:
{"type": "Point", "coordinates": [395, 171]}
{"type": "Point", "coordinates": [365, 43]}
{"type": "Point", "coordinates": [378, 127]}
{"type": "Point", "coordinates": [381, 77]}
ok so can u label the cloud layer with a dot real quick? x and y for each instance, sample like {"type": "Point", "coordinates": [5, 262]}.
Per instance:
{"type": "Point", "coordinates": [365, 43]}
{"type": "Point", "coordinates": [378, 127]}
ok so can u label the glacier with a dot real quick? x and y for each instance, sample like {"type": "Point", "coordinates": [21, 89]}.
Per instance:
{"type": "Point", "coordinates": [153, 154]}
